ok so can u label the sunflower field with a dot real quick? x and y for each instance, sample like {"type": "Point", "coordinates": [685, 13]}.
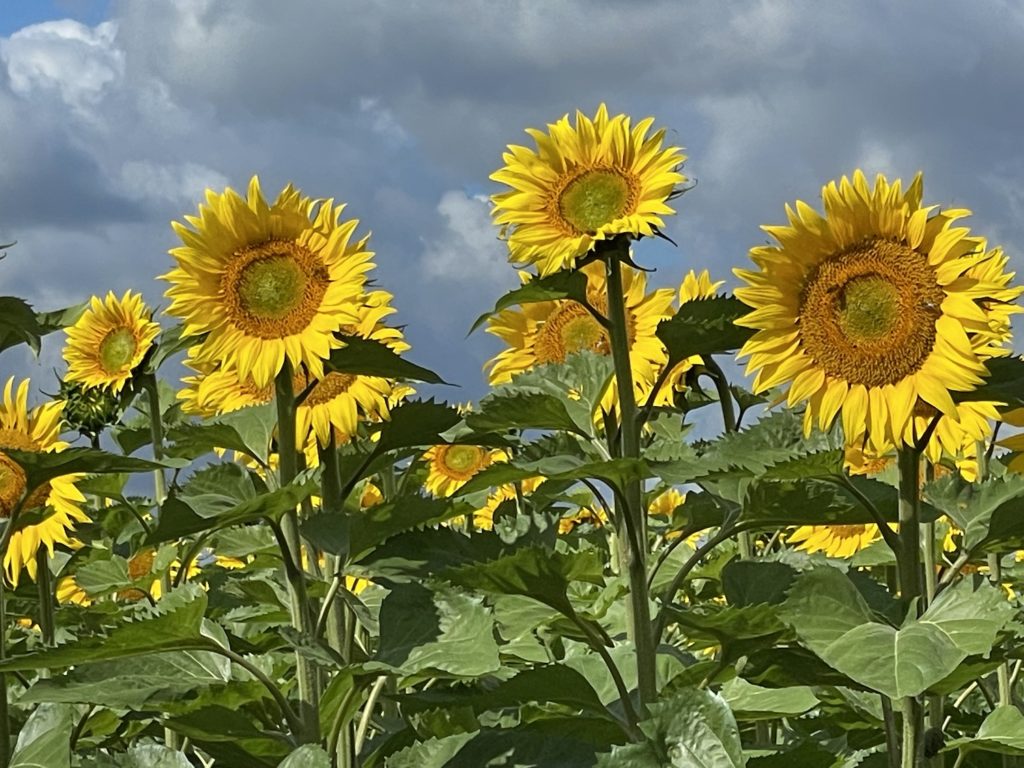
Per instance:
{"type": "Point", "coordinates": [631, 553]}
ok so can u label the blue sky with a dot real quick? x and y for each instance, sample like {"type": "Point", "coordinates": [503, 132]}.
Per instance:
{"type": "Point", "coordinates": [114, 116]}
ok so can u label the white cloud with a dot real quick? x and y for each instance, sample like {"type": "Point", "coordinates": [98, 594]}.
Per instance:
{"type": "Point", "coordinates": [181, 184]}
{"type": "Point", "coordinates": [468, 251]}
{"type": "Point", "coordinates": [77, 62]}
{"type": "Point", "coordinates": [383, 120]}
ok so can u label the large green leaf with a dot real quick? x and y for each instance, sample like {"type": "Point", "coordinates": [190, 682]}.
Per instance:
{"type": "Point", "coordinates": [41, 467]}
{"type": "Point", "coordinates": [416, 423]}
{"type": "Point", "coordinates": [561, 285]}
{"type": "Point", "coordinates": [366, 357]}
{"type": "Point", "coordinates": [136, 683]}
{"type": "Point", "coordinates": [151, 756]}
{"type": "Point", "coordinates": [704, 327]}
{"type": "Point", "coordinates": [693, 729]}
{"type": "Point", "coordinates": [45, 740]}
{"type": "Point", "coordinates": [19, 324]}
{"type": "Point", "coordinates": [175, 622]}
{"type": "Point", "coordinates": [1002, 732]}
{"type": "Point", "coordinates": [566, 742]}
{"type": "Point", "coordinates": [441, 632]}
{"type": "Point", "coordinates": [1005, 383]}
{"type": "Point", "coordinates": [832, 619]}
{"type": "Point", "coordinates": [433, 753]}
{"type": "Point", "coordinates": [247, 430]}
{"type": "Point", "coordinates": [616, 472]}
{"type": "Point", "coordinates": [991, 513]}
{"type": "Point", "coordinates": [525, 410]}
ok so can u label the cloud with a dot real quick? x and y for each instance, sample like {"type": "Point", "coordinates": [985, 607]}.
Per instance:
{"type": "Point", "coordinates": [468, 251]}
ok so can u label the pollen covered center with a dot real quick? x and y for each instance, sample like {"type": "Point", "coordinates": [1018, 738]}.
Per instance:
{"type": "Point", "coordinates": [594, 198]}
{"type": "Point", "coordinates": [13, 480]}
{"type": "Point", "coordinates": [274, 289]}
{"type": "Point", "coordinates": [461, 462]}
{"type": "Point", "coordinates": [570, 329]}
{"type": "Point", "coordinates": [117, 350]}
{"type": "Point", "coordinates": [867, 314]}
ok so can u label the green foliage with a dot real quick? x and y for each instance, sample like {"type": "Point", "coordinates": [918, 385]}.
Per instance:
{"type": "Point", "coordinates": [704, 327]}
{"type": "Point", "coordinates": [561, 285]}
{"type": "Point", "coordinates": [19, 324]}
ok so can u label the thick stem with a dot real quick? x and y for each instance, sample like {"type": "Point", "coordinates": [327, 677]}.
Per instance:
{"type": "Point", "coordinates": [632, 533]}
{"type": "Point", "coordinates": [909, 565]}
{"type": "Point", "coordinates": [299, 602]}
{"type": "Point", "coordinates": [44, 585]}
{"type": "Point", "coordinates": [5, 723]}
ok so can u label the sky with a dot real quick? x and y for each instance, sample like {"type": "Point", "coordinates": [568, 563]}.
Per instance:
{"type": "Point", "coordinates": [115, 116]}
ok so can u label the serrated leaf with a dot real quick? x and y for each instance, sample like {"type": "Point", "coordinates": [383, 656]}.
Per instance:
{"type": "Point", "coordinates": [41, 467]}
{"type": "Point", "coordinates": [523, 410]}
{"type": "Point", "coordinates": [990, 513]}
{"type": "Point", "coordinates": [693, 729]}
{"type": "Point", "coordinates": [20, 324]}
{"type": "Point", "coordinates": [416, 423]}
{"type": "Point", "coordinates": [833, 620]}
{"type": "Point", "coordinates": [704, 327]}
{"type": "Point", "coordinates": [433, 753]}
{"type": "Point", "coordinates": [561, 285]}
{"type": "Point", "coordinates": [247, 430]}
{"type": "Point", "coordinates": [366, 357]}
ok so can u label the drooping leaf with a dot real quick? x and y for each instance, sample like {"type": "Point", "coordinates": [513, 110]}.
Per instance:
{"type": "Point", "coordinates": [45, 740]}
{"type": "Point", "coordinates": [41, 467]}
{"type": "Point", "coordinates": [752, 702]}
{"type": "Point", "coordinates": [1001, 732]}
{"type": "Point", "coordinates": [756, 582]}
{"type": "Point", "coordinates": [20, 324]}
{"type": "Point", "coordinates": [704, 327]}
{"type": "Point", "coordinates": [566, 742]}
{"type": "Point", "coordinates": [416, 423]}
{"type": "Point", "coordinates": [832, 619]}
{"type": "Point", "coordinates": [366, 357]}
{"type": "Point", "coordinates": [692, 729]}
{"type": "Point", "coordinates": [561, 285]}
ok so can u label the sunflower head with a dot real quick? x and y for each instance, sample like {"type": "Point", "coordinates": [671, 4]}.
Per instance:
{"type": "Point", "coordinates": [870, 309]}
{"type": "Point", "coordinates": [35, 430]}
{"type": "Point", "coordinates": [266, 280]}
{"type": "Point", "coordinates": [449, 467]}
{"type": "Point", "coordinates": [109, 340]}
{"type": "Point", "coordinates": [834, 540]}
{"type": "Point", "coordinates": [584, 183]}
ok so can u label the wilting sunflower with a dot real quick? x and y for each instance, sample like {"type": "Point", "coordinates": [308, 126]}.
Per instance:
{"type": "Point", "coordinates": [584, 183]}
{"type": "Point", "coordinates": [868, 310]}
{"type": "Point", "coordinates": [57, 502]}
{"type": "Point", "coordinates": [109, 341]}
{"type": "Point", "coordinates": [449, 467]}
{"type": "Point", "coordinates": [834, 540]}
{"type": "Point", "coordinates": [338, 401]}
{"type": "Point", "coordinates": [549, 331]}
{"type": "Point", "coordinates": [267, 282]}
{"type": "Point", "coordinates": [695, 287]}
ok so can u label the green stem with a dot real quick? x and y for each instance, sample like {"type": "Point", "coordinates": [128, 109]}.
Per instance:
{"type": "Point", "coordinates": [995, 574]}
{"type": "Point", "coordinates": [909, 566]}
{"type": "Point", "coordinates": [632, 533]}
{"type": "Point", "coordinates": [5, 723]}
{"type": "Point", "coordinates": [299, 601]}
{"type": "Point", "coordinates": [44, 585]}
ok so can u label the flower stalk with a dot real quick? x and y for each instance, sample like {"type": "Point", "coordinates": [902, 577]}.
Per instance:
{"type": "Point", "coordinates": [911, 584]}
{"type": "Point", "coordinates": [631, 521]}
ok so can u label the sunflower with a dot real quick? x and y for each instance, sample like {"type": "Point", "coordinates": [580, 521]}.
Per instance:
{"type": "Point", "coordinates": [109, 341]}
{"type": "Point", "coordinates": [868, 310]}
{"type": "Point", "coordinates": [215, 390]}
{"type": "Point", "coordinates": [695, 287]}
{"type": "Point", "coordinates": [483, 518]}
{"type": "Point", "coordinates": [834, 540]}
{"type": "Point", "coordinates": [602, 178]}
{"type": "Point", "coordinates": [549, 331]}
{"type": "Point", "coordinates": [58, 501]}
{"type": "Point", "coordinates": [449, 467]}
{"type": "Point", "coordinates": [338, 401]}
{"type": "Point", "coordinates": [266, 282]}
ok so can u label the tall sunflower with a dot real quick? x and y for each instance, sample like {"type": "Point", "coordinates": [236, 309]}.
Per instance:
{"type": "Point", "coordinates": [449, 467]}
{"type": "Point", "coordinates": [267, 281]}
{"type": "Point", "coordinates": [109, 341]}
{"type": "Point", "coordinates": [58, 502]}
{"type": "Point", "coordinates": [834, 540]}
{"type": "Point", "coordinates": [214, 389]}
{"type": "Point", "coordinates": [867, 311]}
{"type": "Point", "coordinates": [584, 183]}
{"type": "Point", "coordinates": [338, 401]}
{"type": "Point", "coordinates": [549, 331]}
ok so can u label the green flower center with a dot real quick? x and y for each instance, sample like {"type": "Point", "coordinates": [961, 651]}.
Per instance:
{"type": "Point", "coordinates": [570, 329]}
{"type": "Point", "coordinates": [869, 307]}
{"type": "Point", "coordinates": [272, 287]}
{"type": "Point", "coordinates": [595, 198]}
{"type": "Point", "coordinates": [581, 334]}
{"type": "Point", "coordinates": [117, 350]}
{"type": "Point", "coordinates": [463, 458]}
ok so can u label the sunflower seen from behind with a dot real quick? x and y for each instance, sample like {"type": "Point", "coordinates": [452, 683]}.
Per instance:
{"type": "Point", "coordinates": [109, 341]}
{"type": "Point", "coordinates": [55, 506]}
{"type": "Point", "coordinates": [584, 183]}
{"type": "Point", "coordinates": [266, 281]}
{"type": "Point", "coordinates": [864, 312]}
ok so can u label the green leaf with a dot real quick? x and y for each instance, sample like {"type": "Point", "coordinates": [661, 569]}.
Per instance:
{"type": "Point", "coordinates": [752, 702]}
{"type": "Point", "coordinates": [616, 472]}
{"type": "Point", "coordinates": [153, 756]}
{"type": "Point", "coordinates": [19, 324]}
{"type": "Point", "coordinates": [45, 740]}
{"type": "Point", "coordinates": [753, 582]}
{"type": "Point", "coordinates": [416, 423]}
{"type": "Point", "coordinates": [1001, 732]}
{"type": "Point", "coordinates": [247, 430]}
{"type": "Point", "coordinates": [1004, 384]}
{"type": "Point", "coordinates": [41, 467]}
{"type": "Point", "coordinates": [173, 623]}
{"type": "Point", "coordinates": [433, 753]}
{"type": "Point", "coordinates": [307, 756]}
{"type": "Point", "coordinates": [103, 576]}
{"type": "Point", "coordinates": [561, 285]}
{"type": "Point", "coordinates": [170, 342]}
{"type": "Point", "coordinates": [833, 620]}
{"type": "Point", "coordinates": [991, 513]}
{"type": "Point", "coordinates": [440, 632]}
{"type": "Point", "coordinates": [566, 742]}
{"type": "Point", "coordinates": [366, 357]}
{"type": "Point", "coordinates": [693, 729]}
{"type": "Point", "coordinates": [533, 572]}
{"type": "Point", "coordinates": [137, 683]}
{"type": "Point", "coordinates": [704, 327]}
{"type": "Point", "coordinates": [523, 410]}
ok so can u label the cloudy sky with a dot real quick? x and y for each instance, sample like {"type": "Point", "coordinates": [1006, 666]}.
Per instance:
{"type": "Point", "coordinates": [114, 116]}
